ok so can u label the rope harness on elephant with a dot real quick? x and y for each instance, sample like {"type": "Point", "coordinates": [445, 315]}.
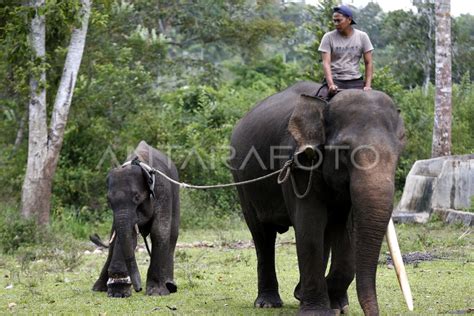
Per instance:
{"type": "Point", "coordinates": [308, 187]}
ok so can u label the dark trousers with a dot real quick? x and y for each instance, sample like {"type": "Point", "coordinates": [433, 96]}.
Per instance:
{"type": "Point", "coordinates": [323, 92]}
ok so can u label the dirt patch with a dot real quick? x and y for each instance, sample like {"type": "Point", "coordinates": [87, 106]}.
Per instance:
{"type": "Point", "coordinates": [413, 257]}
{"type": "Point", "coordinates": [239, 244]}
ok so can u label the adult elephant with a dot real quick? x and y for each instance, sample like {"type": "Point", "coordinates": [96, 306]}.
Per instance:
{"type": "Point", "coordinates": [141, 204]}
{"type": "Point", "coordinates": [341, 207]}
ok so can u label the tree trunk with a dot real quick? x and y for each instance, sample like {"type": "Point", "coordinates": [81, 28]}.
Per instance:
{"type": "Point", "coordinates": [43, 148]}
{"type": "Point", "coordinates": [20, 133]}
{"type": "Point", "coordinates": [34, 185]}
{"type": "Point", "coordinates": [441, 145]}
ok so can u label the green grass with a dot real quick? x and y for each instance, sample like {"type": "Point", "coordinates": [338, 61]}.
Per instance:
{"type": "Point", "coordinates": [222, 280]}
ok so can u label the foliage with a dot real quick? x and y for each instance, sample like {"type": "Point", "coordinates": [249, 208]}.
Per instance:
{"type": "Point", "coordinates": [16, 232]}
{"type": "Point", "coordinates": [410, 46]}
{"type": "Point", "coordinates": [385, 81]}
{"type": "Point", "coordinates": [180, 76]}
{"type": "Point", "coordinates": [370, 19]}
{"type": "Point", "coordinates": [321, 22]}
{"type": "Point", "coordinates": [462, 136]}
{"type": "Point", "coordinates": [267, 74]}
{"type": "Point", "coordinates": [463, 55]}
{"type": "Point", "coordinates": [22, 236]}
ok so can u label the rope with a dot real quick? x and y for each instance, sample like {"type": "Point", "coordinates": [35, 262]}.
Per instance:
{"type": "Point", "coordinates": [184, 185]}
{"type": "Point", "coordinates": [310, 182]}
{"type": "Point", "coordinates": [286, 166]}
{"type": "Point", "coordinates": [146, 244]}
{"type": "Point", "coordinates": [285, 170]}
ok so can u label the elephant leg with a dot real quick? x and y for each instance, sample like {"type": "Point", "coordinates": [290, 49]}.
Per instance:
{"type": "Point", "coordinates": [264, 239]}
{"type": "Point", "coordinates": [117, 269]}
{"type": "Point", "coordinates": [342, 269]}
{"type": "Point", "coordinates": [309, 222]}
{"type": "Point", "coordinates": [327, 248]}
{"type": "Point", "coordinates": [264, 236]}
{"type": "Point", "coordinates": [101, 284]}
{"type": "Point", "coordinates": [160, 272]}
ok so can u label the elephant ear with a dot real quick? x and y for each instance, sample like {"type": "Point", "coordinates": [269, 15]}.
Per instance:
{"type": "Point", "coordinates": [306, 124]}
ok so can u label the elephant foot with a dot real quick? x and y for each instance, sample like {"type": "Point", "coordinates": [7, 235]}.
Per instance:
{"type": "Point", "coordinates": [99, 286]}
{"type": "Point", "coordinates": [305, 311]}
{"type": "Point", "coordinates": [157, 291]}
{"type": "Point", "coordinates": [340, 303]}
{"type": "Point", "coordinates": [268, 300]}
{"type": "Point", "coordinates": [119, 290]}
{"type": "Point", "coordinates": [171, 286]}
{"type": "Point", "coordinates": [119, 287]}
{"type": "Point", "coordinates": [154, 289]}
{"type": "Point", "coordinates": [296, 293]}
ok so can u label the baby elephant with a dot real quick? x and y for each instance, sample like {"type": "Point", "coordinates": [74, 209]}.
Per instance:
{"type": "Point", "coordinates": [144, 203]}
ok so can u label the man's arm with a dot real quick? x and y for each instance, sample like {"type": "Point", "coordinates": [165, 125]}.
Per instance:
{"type": "Point", "coordinates": [327, 71]}
{"type": "Point", "coordinates": [369, 69]}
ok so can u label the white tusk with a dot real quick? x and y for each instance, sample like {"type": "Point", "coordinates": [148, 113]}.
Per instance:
{"type": "Point", "coordinates": [136, 229]}
{"type": "Point", "coordinates": [112, 238]}
{"type": "Point", "coordinates": [394, 249]}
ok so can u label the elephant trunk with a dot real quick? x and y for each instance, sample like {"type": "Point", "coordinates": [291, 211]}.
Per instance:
{"type": "Point", "coordinates": [372, 206]}
{"type": "Point", "coordinates": [124, 228]}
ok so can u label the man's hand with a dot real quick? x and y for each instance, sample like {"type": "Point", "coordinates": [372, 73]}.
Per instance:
{"type": "Point", "coordinates": [332, 89]}
{"type": "Point", "coordinates": [367, 88]}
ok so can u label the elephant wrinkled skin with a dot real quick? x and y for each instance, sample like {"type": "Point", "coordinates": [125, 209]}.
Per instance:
{"type": "Point", "coordinates": [131, 197]}
{"type": "Point", "coordinates": [354, 142]}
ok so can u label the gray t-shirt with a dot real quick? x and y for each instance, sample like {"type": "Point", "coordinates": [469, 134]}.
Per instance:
{"type": "Point", "coordinates": [346, 52]}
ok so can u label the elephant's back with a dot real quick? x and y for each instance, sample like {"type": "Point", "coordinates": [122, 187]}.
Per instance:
{"type": "Point", "coordinates": [274, 105]}
{"type": "Point", "coordinates": [156, 159]}
{"type": "Point", "coordinates": [266, 123]}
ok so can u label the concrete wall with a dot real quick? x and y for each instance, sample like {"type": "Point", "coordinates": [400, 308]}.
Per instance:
{"type": "Point", "coordinates": [444, 183]}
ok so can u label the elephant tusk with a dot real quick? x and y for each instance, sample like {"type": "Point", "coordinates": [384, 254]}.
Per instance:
{"type": "Point", "coordinates": [394, 249]}
{"type": "Point", "coordinates": [112, 238]}
{"type": "Point", "coordinates": [136, 229]}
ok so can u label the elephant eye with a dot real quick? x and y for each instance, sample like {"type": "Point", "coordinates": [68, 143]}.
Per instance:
{"type": "Point", "coordinates": [136, 198]}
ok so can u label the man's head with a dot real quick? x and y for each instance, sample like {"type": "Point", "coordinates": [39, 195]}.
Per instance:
{"type": "Point", "coordinates": [342, 17]}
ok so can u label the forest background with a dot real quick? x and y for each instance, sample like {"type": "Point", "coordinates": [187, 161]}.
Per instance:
{"type": "Point", "coordinates": [180, 74]}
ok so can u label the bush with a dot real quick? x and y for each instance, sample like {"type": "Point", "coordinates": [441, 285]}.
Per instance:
{"type": "Point", "coordinates": [69, 227]}
{"type": "Point", "coordinates": [17, 232]}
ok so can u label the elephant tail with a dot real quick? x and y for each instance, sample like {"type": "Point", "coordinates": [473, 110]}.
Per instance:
{"type": "Point", "coordinates": [97, 241]}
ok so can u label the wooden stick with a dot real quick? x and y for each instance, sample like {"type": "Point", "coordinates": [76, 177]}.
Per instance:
{"type": "Point", "coordinates": [398, 264]}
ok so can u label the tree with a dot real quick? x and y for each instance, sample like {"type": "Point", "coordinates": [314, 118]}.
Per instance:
{"type": "Point", "coordinates": [370, 20]}
{"type": "Point", "coordinates": [321, 22]}
{"type": "Point", "coordinates": [463, 54]}
{"type": "Point", "coordinates": [44, 145]}
{"type": "Point", "coordinates": [441, 145]}
{"type": "Point", "coordinates": [410, 44]}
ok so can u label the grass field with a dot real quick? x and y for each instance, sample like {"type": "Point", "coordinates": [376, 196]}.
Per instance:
{"type": "Point", "coordinates": [216, 274]}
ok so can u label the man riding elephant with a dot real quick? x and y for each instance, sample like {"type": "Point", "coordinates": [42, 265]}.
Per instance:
{"type": "Point", "coordinates": [341, 51]}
